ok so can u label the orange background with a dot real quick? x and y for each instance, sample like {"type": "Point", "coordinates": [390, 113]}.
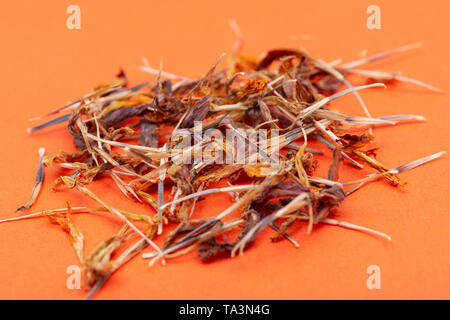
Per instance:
{"type": "Point", "coordinates": [44, 65]}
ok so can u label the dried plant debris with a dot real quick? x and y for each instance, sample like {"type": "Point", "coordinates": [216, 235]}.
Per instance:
{"type": "Point", "coordinates": [181, 136]}
{"type": "Point", "coordinates": [65, 221]}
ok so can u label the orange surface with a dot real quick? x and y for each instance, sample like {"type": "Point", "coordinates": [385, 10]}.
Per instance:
{"type": "Point", "coordinates": [44, 65]}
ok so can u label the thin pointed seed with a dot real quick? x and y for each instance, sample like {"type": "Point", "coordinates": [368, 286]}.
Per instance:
{"type": "Point", "coordinates": [38, 183]}
{"type": "Point", "coordinates": [330, 69]}
{"type": "Point", "coordinates": [324, 181]}
{"type": "Point", "coordinates": [325, 142]}
{"type": "Point", "coordinates": [119, 184]}
{"type": "Point", "coordinates": [150, 254]}
{"type": "Point", "coordinates": [74, 104]}
{"type": "Point", "coordinates": [419, 83]}
{"type": "Point", "coordinates": [295, 204]}
{"type": "Point", "coordinates": [308, 111]}
{"type": "Point", "coordinates": [386, 76]}
{"type": "Point", "coordinates": [400, 117]}
{"type": "Point", "coordinates": [354, 227]}
{"type": "Point", "coordinates": [399, 169]}
{"type": "Point", "coordinates": [188, 239]}
{"type": "Point", "coordinates": [77, 103]}
{"type": "Point", "coordinates": [48, 212]}
{"type": "Point", "coordinates": [209, 191]}
{"type": "Point", "coordinates": [363, 120]}
{"type": "Point", "coordinates": [419, 162]}
{"type": "Point", "coordinates": [160, 203]}
{"type": "Point", "coordinates": [285, 234]}
{"type": "Point", "coordinates": [139, 86]}
{"type": "Point", "coordinates": [127, 145]}
{"type": "Point", "coordinates": [98, 285]}
{"type": "Point", "coordinates": [381, 55]}
{"type": "Point", "coordinates": [205, 235]}
{"type": "Point", "coordinates": [49, 123]}
{"type": "Point", "coordinates": [146, 68]}
{"type": "Point", "coordinates": [160, 200]}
